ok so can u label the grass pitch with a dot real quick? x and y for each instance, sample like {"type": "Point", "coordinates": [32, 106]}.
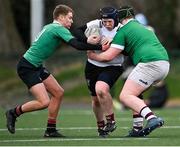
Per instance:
{"type": "Point", "coordinates": [79, 127]}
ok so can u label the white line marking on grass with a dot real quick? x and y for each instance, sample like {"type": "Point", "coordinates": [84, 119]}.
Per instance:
{"type": "Point", "coordinates": [78, 112]}
{"type": "Point", "coordinates": [73, 139]}
{"type": "Point", "coordinates": [69, 128]}
{"type": "Point", "coordinates": [171, 127]}
{"type": "Point", "coordinates": [81, 128]}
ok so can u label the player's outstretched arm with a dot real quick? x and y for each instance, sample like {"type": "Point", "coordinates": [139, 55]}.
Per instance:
{"type": "Point", "coordinates": [79, 33]}
{"type": "Point", "coordinates": [86, 46]}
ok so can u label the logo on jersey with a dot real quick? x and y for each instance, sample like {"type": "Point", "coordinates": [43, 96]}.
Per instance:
{"type": "Point", "coordinates": [140, 80]}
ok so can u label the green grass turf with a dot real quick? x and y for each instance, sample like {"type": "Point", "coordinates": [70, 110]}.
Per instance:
{"type": "Point", "coordinates": [79, 126]}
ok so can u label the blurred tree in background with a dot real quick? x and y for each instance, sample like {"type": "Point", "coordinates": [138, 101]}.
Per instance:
{"type": "Point", "coordinates": [10, 41]}
{"type": "Point", "coordinates": [164, 17]}
{"type": "Point", "coordinates": [21, 15]}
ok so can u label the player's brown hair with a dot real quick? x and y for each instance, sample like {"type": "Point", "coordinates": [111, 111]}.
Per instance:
{"type": "Point", "coordinates": [61, 10]}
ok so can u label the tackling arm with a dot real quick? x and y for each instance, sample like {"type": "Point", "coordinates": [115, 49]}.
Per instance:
{"type": "Point", "coordinates": [86, 46]}
{"type": "Point", "coordinates": [106, 56]}
{"type": "Point", "coordinates": [79, 33]}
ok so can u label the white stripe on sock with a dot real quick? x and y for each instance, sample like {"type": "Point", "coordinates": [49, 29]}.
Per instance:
{"type": "Point", "coordinates": [145, 111]}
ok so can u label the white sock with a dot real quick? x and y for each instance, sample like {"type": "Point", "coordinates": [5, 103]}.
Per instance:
{"type": "Point", "coordinates": [147, 113]}
{"type": "Point", "coordinates": [137, 122]}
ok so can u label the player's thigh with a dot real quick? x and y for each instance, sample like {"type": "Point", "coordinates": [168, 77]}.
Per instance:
{"type": "Point", "coordinates": [108, 76]}
{"type": "Point", "coordinates": [91, 74]}
{"type": "Point", "coordinates": [132, 88]}
{"type": "Point", "coordinates": [145, 74]}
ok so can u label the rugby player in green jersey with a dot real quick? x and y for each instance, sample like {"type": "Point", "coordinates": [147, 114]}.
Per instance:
{"type": "Point", "coordinates": [37, 78]}
{"type": "Point", "coordinates": [151, 65]}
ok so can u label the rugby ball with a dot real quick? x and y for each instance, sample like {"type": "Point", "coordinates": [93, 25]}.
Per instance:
{"type": "Point", "coordinates": [92, 30]}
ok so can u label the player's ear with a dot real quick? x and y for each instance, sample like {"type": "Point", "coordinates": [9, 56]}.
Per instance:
{"type": "Point", "coordinates": [60, 17]}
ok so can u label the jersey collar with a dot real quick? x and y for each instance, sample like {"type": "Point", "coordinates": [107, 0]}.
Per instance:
{"type": "Point", "coordinates": [55, 21]}
{"type": "Point", "coordinates": [127, 22]}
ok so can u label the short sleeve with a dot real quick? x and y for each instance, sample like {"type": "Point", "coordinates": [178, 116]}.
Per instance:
{"type": "Point", "coordinates": [118, 40]}
{"type": "Point", "coordinates": [64, 33]}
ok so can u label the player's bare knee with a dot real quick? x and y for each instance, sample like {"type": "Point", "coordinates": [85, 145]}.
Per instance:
{"type": "Point", "coordinates": [101, 93]}
{"type": "Point", "coordinates": [58, 93]}
{"type": "Point", "coordinates": [45, 103]}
